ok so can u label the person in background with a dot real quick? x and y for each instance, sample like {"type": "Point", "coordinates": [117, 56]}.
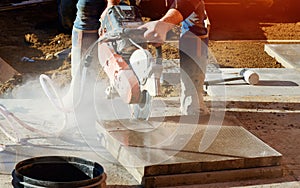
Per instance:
{"type": "Point", "coordinates": [169, 13]}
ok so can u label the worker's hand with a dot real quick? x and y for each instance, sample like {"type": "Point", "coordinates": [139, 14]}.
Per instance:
{"type": "Point", "coordinates": [156, 32]}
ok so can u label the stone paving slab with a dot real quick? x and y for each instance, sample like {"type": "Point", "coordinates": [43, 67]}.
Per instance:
{"type": "Point", "coordinates": [208, 178]}
{"type": "Point", "coordinates": [293, 184]}
{"type": "Point", "coordinates": [177, 150]}
{"type": "Point", "coordinates": [286, 54]}
{"type": "Point", "coordinates": [273, 82]}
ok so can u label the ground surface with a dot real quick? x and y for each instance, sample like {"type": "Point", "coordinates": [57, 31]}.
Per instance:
{"type": "Point", "coordinates": [34, 33]}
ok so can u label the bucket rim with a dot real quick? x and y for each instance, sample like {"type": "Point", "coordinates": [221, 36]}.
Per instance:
{"type": "Point", "coordinates": [101, 176]}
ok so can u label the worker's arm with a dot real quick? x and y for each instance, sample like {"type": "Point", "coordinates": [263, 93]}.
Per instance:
{"type": "Point", "coordinates": [157, 30]}
{"type": "Point", "coordinates": [173, 16]}
{"type": "Point", "coordinates": [178, 11]}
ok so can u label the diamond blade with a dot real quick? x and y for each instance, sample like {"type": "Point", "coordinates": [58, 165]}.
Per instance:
{"type": "Point", "coordinates": [142, 110]}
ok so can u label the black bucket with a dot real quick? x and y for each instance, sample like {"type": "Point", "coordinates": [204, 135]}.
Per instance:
{"type": "Point", "coordinates": [58, 171]}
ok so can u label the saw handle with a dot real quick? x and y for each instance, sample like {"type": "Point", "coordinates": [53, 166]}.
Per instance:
{"type": "Point", "coordinates": [158, 54]}
{"type": "Point", "coordinates": [134, 31]}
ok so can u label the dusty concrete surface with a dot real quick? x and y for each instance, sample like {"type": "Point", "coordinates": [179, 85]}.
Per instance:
{"type": "Point", "coordinates": [272, 82]}
{"type": "Point", "coordinates": [35, 143]}
{"type": "Point", "coordinates": [272, 120]}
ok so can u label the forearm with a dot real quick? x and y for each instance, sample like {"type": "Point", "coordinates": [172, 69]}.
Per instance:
{"type": "Point", "coordinates": [173, 16]}
{"type": "Point", "coordinates": [157, 30]}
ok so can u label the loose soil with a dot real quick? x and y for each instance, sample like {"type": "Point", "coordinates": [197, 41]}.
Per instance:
{"type": "Point", "coordinates": [237, 39]}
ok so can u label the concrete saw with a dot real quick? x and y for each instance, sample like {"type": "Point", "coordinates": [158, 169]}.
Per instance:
{"type": "Point", "coordinates": [133, 73]}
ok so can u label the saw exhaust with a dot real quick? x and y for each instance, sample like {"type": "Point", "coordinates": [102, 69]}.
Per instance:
{"type": "Point", "coordinates": [249, 76]}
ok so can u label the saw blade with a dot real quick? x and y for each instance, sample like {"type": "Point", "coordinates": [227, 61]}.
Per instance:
{"type": "Point", "coordinates": [142, 110]}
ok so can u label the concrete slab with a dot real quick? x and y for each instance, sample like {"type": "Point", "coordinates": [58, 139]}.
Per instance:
{"type": "Point", "coordinates": [292, 184]}
{"type": "Point", "coordinates": [286, 54]}
{"type": "Point", "coordinates": [273, 82]}
{"type": "Point", "coordinates": [171, 71]}
{"type": "Point", "coordinates": [169, 152]}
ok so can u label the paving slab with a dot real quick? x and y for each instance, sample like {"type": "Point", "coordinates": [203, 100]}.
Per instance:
{"type": "Point", "coordinates": [286, 54]}
{"type": "Point", "coordinates": [293, 184]}
{"type": "Point", "coordinates": [177, 152]}
{"type": "Point", "coordinates": [272, 82]}
{"type": "Point", "coordinates": [171, 71]}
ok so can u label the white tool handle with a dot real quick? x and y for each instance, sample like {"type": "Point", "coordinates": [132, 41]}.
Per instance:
{"type": "Point", "coordinates": [251, 77]}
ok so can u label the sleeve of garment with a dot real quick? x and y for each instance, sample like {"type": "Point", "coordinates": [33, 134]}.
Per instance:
{"type": "Point", "coordinates": [186, 7]}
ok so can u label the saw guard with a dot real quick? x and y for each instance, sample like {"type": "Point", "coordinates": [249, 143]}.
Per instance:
{"type": "Point", "coordinates": [121, 77]}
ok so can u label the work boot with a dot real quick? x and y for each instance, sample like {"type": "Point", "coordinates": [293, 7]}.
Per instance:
{"type": "Point", "coordinates": [83, 53]}
{"type": "Point", "coordinates": [193, 60]}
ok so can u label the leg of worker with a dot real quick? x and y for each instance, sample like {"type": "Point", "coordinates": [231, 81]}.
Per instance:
{"type": "Point", "coordinates": [84, 34]}
{"type": "Point", "coordinates": [193, 60]}
{"type": "Point", "coordinates": [85, 29]}
{"type": "Point", "coordinates": [192, 78]}
{"type": "Point", "coordinates": [82, 40]}
{"type": "Point", "coordinates": [79, 99]}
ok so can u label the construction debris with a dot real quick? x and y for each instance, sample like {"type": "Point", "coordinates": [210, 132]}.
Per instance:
{"type": "Point", "coordinates": [6, 71]}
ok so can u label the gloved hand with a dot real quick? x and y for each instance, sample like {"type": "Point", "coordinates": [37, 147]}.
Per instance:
{"type": "Point", "coordinates": [156, 32]}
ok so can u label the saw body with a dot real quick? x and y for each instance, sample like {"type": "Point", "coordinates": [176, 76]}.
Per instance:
{"type": "Point", "coordinates": [121, 76]}
{"type": "Point", "coordinates": [133, 73]}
